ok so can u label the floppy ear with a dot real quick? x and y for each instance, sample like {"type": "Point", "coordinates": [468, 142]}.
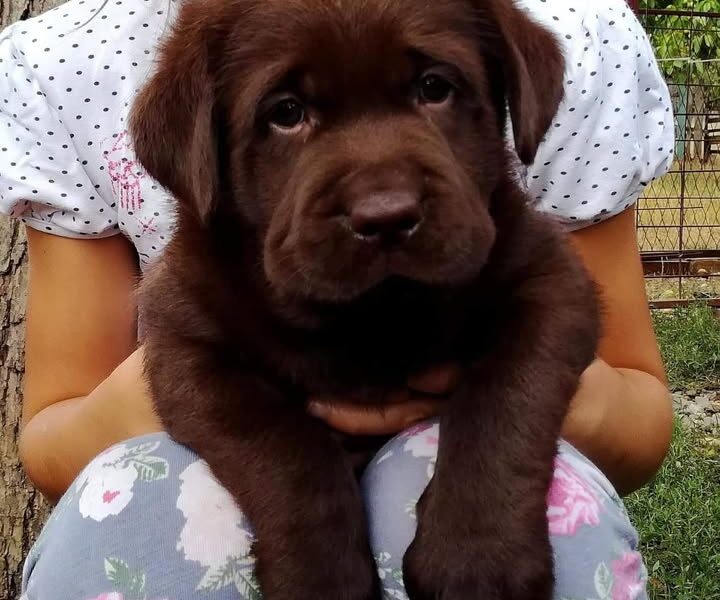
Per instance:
{"type": "Point", "coordinates": [533, 69]}
{"type": "Point", "coordinates": [172, 122]}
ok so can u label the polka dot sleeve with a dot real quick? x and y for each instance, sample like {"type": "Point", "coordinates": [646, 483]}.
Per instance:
{"type": "Point", "coordinates": [613, 134]}
{"type": "Point", "coordinates": [42, 179]}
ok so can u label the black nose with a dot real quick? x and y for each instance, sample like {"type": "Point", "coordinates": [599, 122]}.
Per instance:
{"type": "Point", "coordinates": [390, 216]}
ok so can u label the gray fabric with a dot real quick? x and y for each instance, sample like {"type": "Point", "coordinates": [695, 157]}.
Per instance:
{"type": "Point", "coordinates": [147, 521]}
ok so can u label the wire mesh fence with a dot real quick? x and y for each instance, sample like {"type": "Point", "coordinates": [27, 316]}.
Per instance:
{"type": "Point", "coordinates": [678, 217]}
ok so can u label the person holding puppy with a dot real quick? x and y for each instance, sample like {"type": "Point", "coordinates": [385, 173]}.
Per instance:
{"type": "Point", "coordinates": [139, 514]}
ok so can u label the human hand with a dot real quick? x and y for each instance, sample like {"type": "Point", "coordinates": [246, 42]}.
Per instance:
{"type": "Point", "coordinates": [422, 397]}
{"type": "Point", "coordinates": [419, 400]}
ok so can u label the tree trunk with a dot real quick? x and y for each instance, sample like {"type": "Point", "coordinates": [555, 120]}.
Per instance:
{"type": "Point", "coordinates": [22, 509]}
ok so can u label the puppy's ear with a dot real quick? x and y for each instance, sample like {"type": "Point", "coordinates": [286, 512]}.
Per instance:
{"type": "Point", "coordinates": [533, 67]}
{"type": "Point", "coordinates": [172, 122]}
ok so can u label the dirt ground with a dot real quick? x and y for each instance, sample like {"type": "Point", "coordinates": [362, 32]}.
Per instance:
{"type": "Point", "coordinates": [700, 409]}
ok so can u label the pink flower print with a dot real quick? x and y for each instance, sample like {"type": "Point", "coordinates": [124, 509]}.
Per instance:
{"type": "Point", "coordinates": [423, 440]}
{"type": "Point", "coordinates": [571, 502]}
{"type": "Point", "coordinates": [211, 515]}
{"type": "Point", "coordinates": [416, 429]}
{"type": "Point", "coordinates": [107, 492]}
{"type": "Point", "coordinates": [110, 596]}
{"type": "Point", "coordinates": [125, 174]}
{"type": "Point", "coordinates": [627, 577]}
{"type": "Point", "coordinates": [109, 496]}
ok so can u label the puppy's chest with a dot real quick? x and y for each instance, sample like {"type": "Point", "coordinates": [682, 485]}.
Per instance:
{"type": "Point", "coordinates": [364, 357]}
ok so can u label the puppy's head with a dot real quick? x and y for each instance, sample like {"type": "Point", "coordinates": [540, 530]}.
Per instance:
{"type": "Point", "coordinates": [359, 140]}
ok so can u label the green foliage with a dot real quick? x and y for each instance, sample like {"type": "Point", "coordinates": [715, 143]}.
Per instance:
{"type": "Point", "coordinates": [129, 582]}
{"type": "Point", "coordinates": [678, 518]}
{"type": "Point", "coordinates": [238, 572]}
{"type": "Point", "coordinates": [696, 5]}
{"type": "Point", "coordinates": [685, 44]}
{"type": "Point", "coordinates": [689, 340]}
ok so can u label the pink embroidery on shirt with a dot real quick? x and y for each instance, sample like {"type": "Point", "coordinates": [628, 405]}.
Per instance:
{"type": "Point", "coordinates": [125, 174]}
{"type": "Point", "coordinates": [148, 225]}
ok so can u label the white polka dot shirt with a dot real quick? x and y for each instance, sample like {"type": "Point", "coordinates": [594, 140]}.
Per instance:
{"type": "Point", "coordinates": [69, 76]}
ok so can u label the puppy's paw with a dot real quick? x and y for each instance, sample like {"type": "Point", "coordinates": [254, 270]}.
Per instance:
{"type": "Point", "coordinates": [462, 555]}
{"type": "Point", "coordinates": [306, 574]}
{"type": "Point", "coordinates": [470, 574]}
{"type": "Point", "coordinates": [356, 579]}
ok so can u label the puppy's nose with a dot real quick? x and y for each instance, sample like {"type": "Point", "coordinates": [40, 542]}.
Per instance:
{"type": "Point", "coordinates": [390, 216]}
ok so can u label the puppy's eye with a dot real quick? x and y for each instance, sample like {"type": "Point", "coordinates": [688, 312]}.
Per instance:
{"type": "Point", "coordinates": [287, 114]}
{"type": "Point", "coordinates": [434, 89]}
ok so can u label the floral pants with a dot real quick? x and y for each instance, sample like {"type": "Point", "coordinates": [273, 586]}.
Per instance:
{"type": "Point", "coordinates": [147, 521]}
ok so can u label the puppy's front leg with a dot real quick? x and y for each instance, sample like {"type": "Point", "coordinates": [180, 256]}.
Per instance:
{"type": "Point", "coordinates": [482, 526]}
{"type": "Point", "coordinates": [287, 475]}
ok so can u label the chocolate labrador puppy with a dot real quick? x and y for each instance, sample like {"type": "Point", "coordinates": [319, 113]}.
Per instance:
{"type": "Point", "coordinates": [347, 216]}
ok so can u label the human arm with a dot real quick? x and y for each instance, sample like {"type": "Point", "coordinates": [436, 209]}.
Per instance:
{"type": "Point", "coordinates": [83, 385]}
{"type": "Point", "coordinates": [91, 395]}
{"type": "Point", "coordinates": [621, 417]}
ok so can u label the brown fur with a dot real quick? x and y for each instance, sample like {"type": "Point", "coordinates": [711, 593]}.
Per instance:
{"type": "Point", "coordinates": [265, 295]}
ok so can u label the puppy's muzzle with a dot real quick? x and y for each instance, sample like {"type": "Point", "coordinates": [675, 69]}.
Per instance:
{"type": "Point", "coordinates": [386, 217]}
{"type": "Point", "coordinates": [384, 204]}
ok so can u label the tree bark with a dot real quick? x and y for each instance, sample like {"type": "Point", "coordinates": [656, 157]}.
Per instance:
{"type": "Point", "coordinates": [22, 509]}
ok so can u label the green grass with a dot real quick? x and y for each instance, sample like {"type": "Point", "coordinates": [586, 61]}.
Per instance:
{"type": "Point", "coordinates": [678, 517]}
{"type": "Point", "coordinates": [690, 343]}
{"type": "Point", "coordinates": [678, 514]}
